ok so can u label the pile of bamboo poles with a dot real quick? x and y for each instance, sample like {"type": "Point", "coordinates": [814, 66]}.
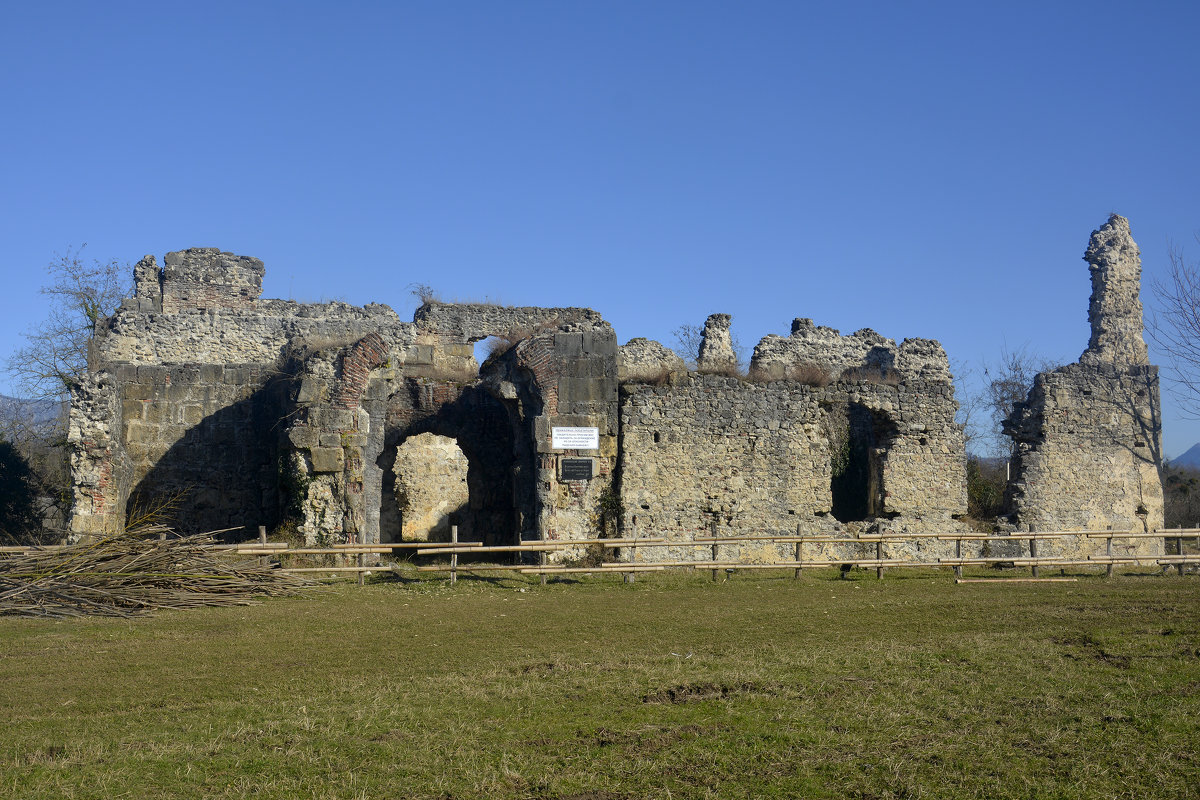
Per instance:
{"type": "Point", "coordinates": [134, 573]}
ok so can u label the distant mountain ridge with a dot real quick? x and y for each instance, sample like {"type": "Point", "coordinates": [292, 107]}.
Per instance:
{"type": "Point", "coordinates": [1189, 459]}
{"type": "Point", "coordinates": [39, 412]}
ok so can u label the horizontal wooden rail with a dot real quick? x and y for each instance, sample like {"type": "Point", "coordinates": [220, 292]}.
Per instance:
{"type": "Point", "coordinates": [633, 546]}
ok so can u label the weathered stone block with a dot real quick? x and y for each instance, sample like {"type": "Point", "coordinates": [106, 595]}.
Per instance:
{"type": "Point", "coordinates": [151, 374]}
{"type": "Point", "coordinates": [137, 391]}
{"type": "Point", "coordinates": [193, 414]}
{"type": "Point", "coordinates": [304, 436]}
{"type": "Point", "coordinates": [567, 345]}
{"type": "Point", "coordinates": [419, 354]}
{"type": "Point", "coordinates": [131, 410]}
{"type": "Point", "coordinates": [310, 390]}
{"type": "Point", "coordinates": [327, 459]}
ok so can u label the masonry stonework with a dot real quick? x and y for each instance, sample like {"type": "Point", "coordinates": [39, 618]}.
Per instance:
{"type": "Point", "coordinates": [225, 410]}
{"type": "Point", "coordinates": [1088, 439]}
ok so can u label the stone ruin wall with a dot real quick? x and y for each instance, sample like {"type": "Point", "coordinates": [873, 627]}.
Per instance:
{"type": "Point", "coordinates": [356, 406]}
{"type": "Point", "coordinates": [1088, 439]}
{"type": "Point", "coordinates": [758, 456]}
{"type": "Point", "coordinates": [253, 409]}
{"type": "Point", "coordinates": [191, 385]}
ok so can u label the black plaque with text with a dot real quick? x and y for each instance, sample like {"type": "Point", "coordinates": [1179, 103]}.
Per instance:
{"type": "Point", "coordinates": [576, 469]}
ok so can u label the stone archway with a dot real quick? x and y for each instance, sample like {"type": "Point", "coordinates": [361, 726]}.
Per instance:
{"type": "Point", "coordinates": [449, 455]}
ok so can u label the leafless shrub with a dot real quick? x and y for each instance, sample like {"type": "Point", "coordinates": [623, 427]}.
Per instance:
{"type": "Point", "coordinates": [732, 370]}
{"type": "Point", "coordinates": [1008, 383]}
{"type": "Point", "coordinates": [58, 349]}
{"type": "Point", "coordinates": [659, 377]}
{"type": "Point", "coordinates": [501, 343]}
{"type": "Point", "coordinates": [424, 292]}
{"type": "Point", "coordinates": [809, 374]}
{"type": "Point", "coordinates": [884, 376]}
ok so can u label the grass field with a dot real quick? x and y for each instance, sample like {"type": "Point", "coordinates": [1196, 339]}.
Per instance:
{"type": "Point", "coordinates": [759, 686]}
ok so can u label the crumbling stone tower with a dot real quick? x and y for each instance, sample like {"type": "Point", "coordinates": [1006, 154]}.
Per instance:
{"type": "Point", "coordinates": [716, 346]}
{"type": "Point", "coordinates": [1089, 437]}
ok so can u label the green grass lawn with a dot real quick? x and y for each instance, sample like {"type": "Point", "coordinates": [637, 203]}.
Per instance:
{"type": "Point", "coordinates": [759, 686]}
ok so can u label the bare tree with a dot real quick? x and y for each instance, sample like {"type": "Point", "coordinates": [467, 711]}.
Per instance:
{"type": "Point", "coordinates": [971, 404]}
{"type": "Point", "coordinates": [1175, 328]}
{"type": "Point", "coordinates": [80, 295]}
{"type": "Point", "coordinates": [687, 345]}
{"type": "Point", "coordinates": [1007, 384]}
{"type": "Point", "coordinates": [55, 355]}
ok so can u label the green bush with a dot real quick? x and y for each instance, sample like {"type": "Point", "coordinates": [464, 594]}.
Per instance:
{"type": "Point", "coordinates": [20, 522]}
{"type": "Point", "coordinates": [985, 488]}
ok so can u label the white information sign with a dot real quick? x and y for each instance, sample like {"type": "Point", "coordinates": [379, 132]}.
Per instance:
{"type": "Point", "coordinates": [575, 438]}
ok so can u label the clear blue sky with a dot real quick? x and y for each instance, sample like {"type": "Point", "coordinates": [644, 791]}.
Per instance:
{"type": "Point", "coordinates": [923, 169]}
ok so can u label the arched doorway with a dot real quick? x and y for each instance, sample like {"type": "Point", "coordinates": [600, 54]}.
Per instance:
{"type": "Point", "coordinates": [859, 443]}
{"type": "Point", "coordinates": [449, 458]}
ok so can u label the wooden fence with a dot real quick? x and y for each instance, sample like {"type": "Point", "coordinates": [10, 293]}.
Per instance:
{"type": "Point", "coordinates": [630, 564]}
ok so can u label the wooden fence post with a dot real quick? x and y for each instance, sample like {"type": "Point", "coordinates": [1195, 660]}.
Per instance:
{"type": "Point", "coordinates": [1108, 573]}
{"type": "Point", "coordinates": [629, 577]}
{"type": "Point", "coordinates": [958, 554]}
{"type": "Point", "coordinates": [1179, 545]}
{"type": "Point", "coordinates": [713, 528]}
{"type": "Point", "coordinates": [542, 564]}
{"type": "Point", "coordinates": [799, 551]}
{"type": "Point", "coordinates": [453, 556]}
{"type": "Point", "coordinates": [878, 557]}
{"type": "Point", "coordinates": [1033, 554]}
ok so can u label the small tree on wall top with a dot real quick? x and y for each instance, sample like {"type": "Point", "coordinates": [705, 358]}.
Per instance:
{"type": "Point", "coordinates": [80, 294]}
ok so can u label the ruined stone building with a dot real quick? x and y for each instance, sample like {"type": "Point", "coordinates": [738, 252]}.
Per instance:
{"type": "Point", "coordinates": [225, 410]}
{"type": "Point", "coordinates": [1089, 437]}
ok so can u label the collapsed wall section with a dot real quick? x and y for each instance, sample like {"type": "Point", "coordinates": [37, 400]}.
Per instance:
{"type": "Point", "coordinates": [816, 352]}
{"type": "Point", "coordinates": [751, 457]}
{"type": "Point", "coordinates": [101, 472]}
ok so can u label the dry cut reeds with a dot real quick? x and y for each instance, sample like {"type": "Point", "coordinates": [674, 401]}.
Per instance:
{"type": "Point", "coordinates": [133, 573]}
